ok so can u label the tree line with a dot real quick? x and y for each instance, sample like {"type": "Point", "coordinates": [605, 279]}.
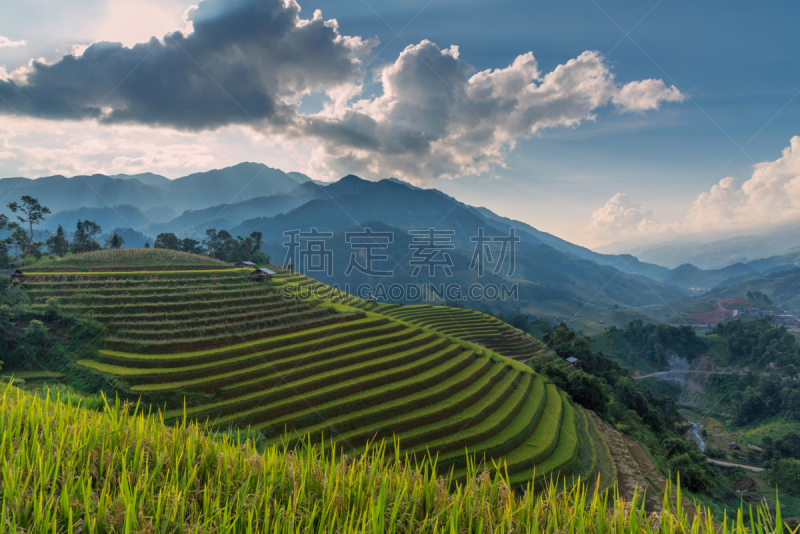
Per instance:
{"type": "Point", "coordinates": [20, 246]}
{"type": "Point", "coordinates": [220, 245]}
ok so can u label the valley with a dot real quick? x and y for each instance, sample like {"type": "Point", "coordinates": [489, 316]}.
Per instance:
{"type": "Point", "coordinates": [307, 267]}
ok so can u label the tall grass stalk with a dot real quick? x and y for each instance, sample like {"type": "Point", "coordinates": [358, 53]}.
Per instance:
{"type": "Point", "coordinates": [66, 469]}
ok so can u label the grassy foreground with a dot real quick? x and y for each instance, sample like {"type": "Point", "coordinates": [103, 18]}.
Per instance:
{"type": "Point", "coordinates": [66, 469]}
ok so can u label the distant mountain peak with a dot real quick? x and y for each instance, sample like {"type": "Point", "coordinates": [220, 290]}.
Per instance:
{"type": "Point", "coordinates": [352, 179]}
{"type": "Point", "coordinates": [401, 182]}
{"type": "Point", "coordinates": [299, 176]}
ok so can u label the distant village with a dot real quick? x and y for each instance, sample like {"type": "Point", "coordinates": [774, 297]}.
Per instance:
{"type": "Point", "coordinates": [732, 308]}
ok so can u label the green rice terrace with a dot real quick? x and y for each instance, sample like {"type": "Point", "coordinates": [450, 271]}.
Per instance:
{"type": "Point", "coordinates": [122, 259]}
{"type": "Point", "coordinates": [213, 346]}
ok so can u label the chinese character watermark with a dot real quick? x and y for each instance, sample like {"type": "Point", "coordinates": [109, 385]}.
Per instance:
{"type": "Point", "coordinates": [483, 252]}
{"type": "Point", "coordinates": [428, 246]}
{"type": "Point", "coordinates": [315, 257]}
{"type": "Point", "coordinates": [368, 241]}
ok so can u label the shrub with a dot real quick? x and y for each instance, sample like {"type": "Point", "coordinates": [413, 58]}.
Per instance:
{"type": "Point", "coordinates": [785, 474]}
{"type": "Point", "coordinates": [693, 471]}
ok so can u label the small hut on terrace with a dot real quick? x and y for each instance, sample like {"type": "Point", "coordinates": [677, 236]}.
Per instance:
{"type": "Point", "coordinates": [261, 275]}
{"type": "Point", "coordinates": [15, 274]}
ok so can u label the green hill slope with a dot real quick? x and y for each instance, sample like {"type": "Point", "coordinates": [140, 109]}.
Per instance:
{"type": "Point", "coordinates": [240, 354]}
{"type": "Point", "coordinates": [129, 260]}
{"type": "Point", "coordinates": [130, 473]}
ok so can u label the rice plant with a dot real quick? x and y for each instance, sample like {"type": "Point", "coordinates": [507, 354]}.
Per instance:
{"type": "Point", "coordinates": [66, 469]}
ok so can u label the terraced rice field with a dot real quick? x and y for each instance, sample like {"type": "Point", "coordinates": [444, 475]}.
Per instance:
{"type": "Point", "coordinates": [587, 325]}
{"type": "Point", "coordinates": [470, 325]}
{"type": "Point", "coordinates": [212, 346]}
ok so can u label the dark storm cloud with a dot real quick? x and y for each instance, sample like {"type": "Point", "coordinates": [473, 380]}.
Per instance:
{"type": "Point", "coordinates": [434, 116]}
{"type": "Point", "coordinates": [246, 59]}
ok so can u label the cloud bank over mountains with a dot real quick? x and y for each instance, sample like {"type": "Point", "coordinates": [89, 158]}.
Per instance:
{"type": "Point", "coordinates": [250, 63]}
{"type": "Point", "coordinates": [770, 197]}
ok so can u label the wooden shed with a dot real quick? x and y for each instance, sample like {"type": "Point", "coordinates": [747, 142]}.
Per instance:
{"type": "Point", "coordinates": [245, 265]}
{"type": "Point", "coordinates": [16, 275]}
{"type": "Point", "coordinates": [261, 275]}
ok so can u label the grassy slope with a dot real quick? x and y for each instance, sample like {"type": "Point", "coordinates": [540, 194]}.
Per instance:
{"type": "Point", "coordinates": [127, 258]}
{"type": "Point", "coordinates": [132, 474]}
{"type": "Point", "coordinates": [702, 307]}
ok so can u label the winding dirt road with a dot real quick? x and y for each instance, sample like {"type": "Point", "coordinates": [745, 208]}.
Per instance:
{"type": "Point", "coordinates": [729, 464]}
{"type": "Point", "coordinates": [662, 373]}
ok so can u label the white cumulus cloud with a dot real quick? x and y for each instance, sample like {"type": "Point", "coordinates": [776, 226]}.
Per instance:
{"type": "Point", "coordinates": [646, 95]}
{"type": "Point", "coordinates": [438, 117]}
{"type": "Point", "coordinates": [621, 217]}
{"type": "Point", "coordinates": [770, 197]}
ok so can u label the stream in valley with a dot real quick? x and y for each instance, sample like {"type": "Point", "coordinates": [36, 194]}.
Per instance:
{"type": "Point", "coordinates": [695, 434]}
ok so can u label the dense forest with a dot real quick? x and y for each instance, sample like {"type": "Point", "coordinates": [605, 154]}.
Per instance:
{"type": "Point", "coordinates": [756, 343]}
{"type": "Point", "coordinates": [653, 341]}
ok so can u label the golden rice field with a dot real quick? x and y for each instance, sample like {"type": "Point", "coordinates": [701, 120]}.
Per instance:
{"type": "Point", "coordinates": [66, 469]}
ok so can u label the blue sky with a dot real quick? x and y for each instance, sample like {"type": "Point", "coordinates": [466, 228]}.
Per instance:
{"type": "Point", "coordinates": [735, 62]}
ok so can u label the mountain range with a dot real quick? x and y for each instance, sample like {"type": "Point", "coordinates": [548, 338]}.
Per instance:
{"type": "Point", "coordinates": [554, 276]}
{"type": "Point", "coordinates": [149, 191]}
{"type": "Point", "coordinates": [716, 254]}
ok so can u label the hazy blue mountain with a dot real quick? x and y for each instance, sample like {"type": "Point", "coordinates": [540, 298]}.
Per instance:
{"type": "Point", "coordinates": [531, 235]}
{"type": "Point", "coordinates": [160, 214]}
{"type": "Point", "coordinates": [299, 176]}
{"type": "Point", "coordinates": [688, 276]}
{"type": "Point", "coordinates": [352, 200]}
{"type": "Point", "coordinates": [149, 191]}
{"type": "Point", "coordinates": [563, 284]}
{"type": "Point", "coordinates": [543, 270]}
{"type": "Point", "coordinates": [252, 196]}
{"type": "Point", "coordinates": [625, 263]}
{"type": "Point", "coordinates": [193, 223]}
{"type": "Point", "coordinates": [783, 288]}
{"type": "Point", "coordinates": [737, 280]}
{"type": "Point", "coordinates": [133, 238]}
{"type": "Point", "coordinates": [722, 253]}
{"type": "Point", "coordinates": [59, 193]}
{"type": "Point", "coordinates": [147, 178]}
{"type": "Point", "coordinates": [232, 184]}
{"type": "Point", "coordinates": [774, 264]}
{"type": "Point", "coordinates": [122, 216]}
